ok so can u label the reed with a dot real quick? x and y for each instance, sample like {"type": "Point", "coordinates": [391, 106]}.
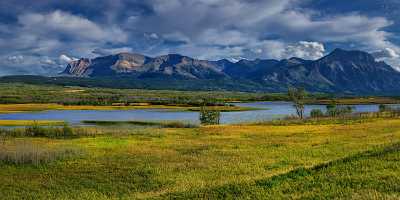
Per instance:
{"type": "Point", "coordinates": [22, 152]}
{"type": "Point", "coordinates": [37, 130]}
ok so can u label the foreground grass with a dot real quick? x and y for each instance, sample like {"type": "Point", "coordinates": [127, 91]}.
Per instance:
{"type": "Point", "coordinates": [216, 161]}
{"type": "Point", "coordinates": [373, 174]}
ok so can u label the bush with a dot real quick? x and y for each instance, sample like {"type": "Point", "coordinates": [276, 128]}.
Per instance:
{"type": "Point", "coordinates": [316, 113]}
{"type": "Point", "coordinates": [67, 131]}
{"type": "Point", "coordinates": [36, 130]}
{"type": "Point", "coordinates": [178, 125]}
{"type": "Point", "coordinates": [331, 109]}
{"type": "Point", "coordinates": [384, 108]}
{"type": "Point", "coordinates": [209, 116]}
{"type": "Point", "coordinates": [335, 111]}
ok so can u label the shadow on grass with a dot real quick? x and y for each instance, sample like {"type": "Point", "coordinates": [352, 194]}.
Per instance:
{"type": "Point", "coordinates": [321, 181]}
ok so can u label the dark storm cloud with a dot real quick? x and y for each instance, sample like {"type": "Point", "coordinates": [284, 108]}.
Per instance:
{"type": "Point", "coordinates": [41, 36]}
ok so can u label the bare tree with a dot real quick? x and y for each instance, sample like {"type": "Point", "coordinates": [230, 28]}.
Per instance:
{"type": "Point", "coordinates": [298, 96]}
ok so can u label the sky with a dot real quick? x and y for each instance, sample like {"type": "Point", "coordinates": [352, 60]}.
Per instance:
{"type": "Point", "coordinates": [42, 36]}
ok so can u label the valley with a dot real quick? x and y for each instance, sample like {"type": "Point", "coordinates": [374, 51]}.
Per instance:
{"type": "Point", "coordinates": [199, 99]}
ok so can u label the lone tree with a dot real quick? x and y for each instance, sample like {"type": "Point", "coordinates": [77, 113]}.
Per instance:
{"type": "Point", "coordinates": [298, 96]}
{"type": "Point", "coordinates": [208, 114]}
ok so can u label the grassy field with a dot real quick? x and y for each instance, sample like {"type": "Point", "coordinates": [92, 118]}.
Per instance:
{"type": "Point", "coordinates": [90, 98]}
{"type": "Point", "coordinates": [24, 93]}
{"type": "Point", "coordinates": [356, 160]}
{"type": "Point", "coordinates": [373, 174]}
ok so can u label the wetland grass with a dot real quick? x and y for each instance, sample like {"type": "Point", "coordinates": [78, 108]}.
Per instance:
{"type": "Point", "coordinates": [162, 124]}
{"type": "Point", "coordinates": [230, 161]}
{"type": "Point", "coordinates": [26, 152]}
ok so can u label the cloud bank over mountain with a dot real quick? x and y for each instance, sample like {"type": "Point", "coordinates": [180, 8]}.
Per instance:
{"type": "Point", "coordinates": [40, 37]}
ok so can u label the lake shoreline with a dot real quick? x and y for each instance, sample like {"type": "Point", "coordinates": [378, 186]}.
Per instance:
{"type": "Point", "coordinates": [16, 108]}
{"type": "Point", "coordinates": [74, 115]}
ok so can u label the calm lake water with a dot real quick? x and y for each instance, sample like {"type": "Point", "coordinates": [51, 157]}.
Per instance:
{"type": "Point", "coordinates": [274, 110]}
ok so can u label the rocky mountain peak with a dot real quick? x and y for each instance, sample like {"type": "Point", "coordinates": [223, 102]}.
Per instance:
{"type": "Point", "coordinates": [341, 70]}
{"type": "Point", "coordinates": [348, 56]}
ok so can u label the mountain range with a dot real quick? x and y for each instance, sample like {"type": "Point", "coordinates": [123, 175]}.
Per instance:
{"type": "Point", "coordinates": [354, 72]}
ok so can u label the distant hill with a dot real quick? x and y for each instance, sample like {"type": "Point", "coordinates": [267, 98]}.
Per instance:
{"type": "Point", "coordinates": [341, 71]}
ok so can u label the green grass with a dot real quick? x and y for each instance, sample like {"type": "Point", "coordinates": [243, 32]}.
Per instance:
{"type": "Point", "coordinates": [317, 121]}
{"type": "Point", "coordinates": [373, 174]}
{"type": "Point", "coordinates": [24, 93]}
{"type": "Point", "coordinates": [300, 161]}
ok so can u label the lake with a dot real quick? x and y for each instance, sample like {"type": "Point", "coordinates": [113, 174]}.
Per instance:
{"type": "Point", "coordinates": [273, 110]}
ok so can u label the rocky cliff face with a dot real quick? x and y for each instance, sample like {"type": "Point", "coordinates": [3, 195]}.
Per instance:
{"type": "Point", "coordinates": [78, 67]}
{"type": "Point", "coordinates": [342, 71]}
{"type": "Point", "coordinates": [142, 66]}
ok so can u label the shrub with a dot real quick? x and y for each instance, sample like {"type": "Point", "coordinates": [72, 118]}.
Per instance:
{"type": "Point", "coordinates": [176, 124]}
{"type": "Point", "coordinates": [384, 108]}
{"type": "Point", "coordinates": [331, 109]}
{"type": "Point", "coordinates": [36, 130]}
{"type": "Point", "coordinates": [316, 113]}
{"type": "Point", "coordinates": [334, 111]}
{"type": "Point", "coordinates": [208, 116]}
{"type": "Point", "coordinates": [67, 131]}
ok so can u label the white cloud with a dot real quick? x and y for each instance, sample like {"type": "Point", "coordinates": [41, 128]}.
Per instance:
{"type": "Point", "coordinates": [104, 52]}
{"type": "Point", "coordinates": [305, 50]}
{"type": "Point", "coordinates": [153, 36]}
{"type": "Point", "coordinates": [39, 42]}
{"type": "Point", "coordinates": [64, 24]}
{"type": "Point", "coordinates": [386, 53]}
{"type": "Point", "coordinates": [247, 26]}
{"type": "Point", "coordinates": [15, 59]}
{"type": "Point", "coordinates": [389, 55]}
{"type": "Point", "coordinates": [64, 59]}
{"type": "Point", "coordinates": [24, 64]}
{"type": "Point", "coordinates": [266, 49]}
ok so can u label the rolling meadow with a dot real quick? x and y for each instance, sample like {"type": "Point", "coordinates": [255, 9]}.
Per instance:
{"type": "Point", "coordinates": [319, 157]}
{"type": "Point", "coordinates": [200, 99]}
{"type": "Point", "coordinates": [352, 160]}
